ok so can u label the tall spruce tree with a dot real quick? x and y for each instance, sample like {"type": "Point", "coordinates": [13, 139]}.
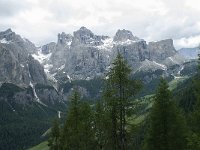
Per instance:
{"type": "Point", "coordinates": [102, 126]}
{"type": "Point", "coordinates": [167, 126]}
{"type": "Point", "coordinates": [194, 122]}
{"type": "Point", "coordinates": [118, 95]}
{"type": "Point", "coordinates": [54, 139]}
{"type": "Point", "coordinates": [78, 131]}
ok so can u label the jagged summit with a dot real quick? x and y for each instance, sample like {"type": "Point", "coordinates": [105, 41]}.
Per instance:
{"type": "Point", "coordinates": [86, 36]}
{"type": "Point", "coordinates": [64, 38]}
{"type": "Point", "coordinates": [124, 35]}
{"type": "Point", "coordinates": [8, 31]}
{"type": "Point", "coordinates": [86, 55]}
{"type": "Point", "coordinates": [82, 33]}
{"type": "Point", "coordinates": [8, 35]}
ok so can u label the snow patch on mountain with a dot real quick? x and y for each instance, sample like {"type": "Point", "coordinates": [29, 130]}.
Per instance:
{"type": "Point", "coordinates": [107, 44]}
{"type": "Point", "coordinates": [35, 94]}
{"type": "Point", "coordinates": [70, 79]}
{"type": "Point", "coordinates": [147, 65]}
{"type": "Point", "coordinates": [127, 42]}
{"type": "Point", "coordinates": [61, 67]}
{"type": "Point", "coordinates": [22, 65]}
{"type": "Point", "coordinates": [172, 60]}
{"type": "Point", "coordinates": [41, 57]}
{"type": "Point", "coordinates": [4, 41]}
{"type": "Point", "coordinates": [161, 65]}
{"type": "Point", "coordinates": [59, 114]}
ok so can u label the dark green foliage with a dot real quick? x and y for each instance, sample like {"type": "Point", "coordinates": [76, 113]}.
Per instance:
{"type": "Point", "coordinates": [194, 118]}
{"type": "Point", "coordinates": [9, 89]}
{"type": "Point", "coordinates": [167, 129]}
{"type": "Point", "coordinates": [93, 86]}
{"type": "Point", "coordinates": [185, 96]}
{"type": "Point", "coordinates": [103, 126]}
{"type": "Point", "coordinates": [42, 86]}
{"type": "Point", "coordinates": [193, 141]}
{"type": "Point", "coordinates": [54, 139]}
{"type": "Point", "coordinates": [78, 131]}
{"type": "Point", "coordinates": [119, 95]}
{"type": "Point", "coordinates": [22, 123]}
{"type": "Point", "coordinates": [150, 86]}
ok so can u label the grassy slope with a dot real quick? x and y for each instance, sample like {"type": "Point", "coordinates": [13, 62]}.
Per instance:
{"type": "Point", "coordinates": [146, 103]}
{"type": "Point", "coordinates": [174, 83]}
{"type": "Point", "coordinates": [41, 146]}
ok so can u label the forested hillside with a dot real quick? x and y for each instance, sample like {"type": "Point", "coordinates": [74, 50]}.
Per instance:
{"type": "Point", "coordinates": [120, 121]}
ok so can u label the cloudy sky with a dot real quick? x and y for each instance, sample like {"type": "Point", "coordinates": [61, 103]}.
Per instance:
{"type": "Point", "coordinates": [153, 20]}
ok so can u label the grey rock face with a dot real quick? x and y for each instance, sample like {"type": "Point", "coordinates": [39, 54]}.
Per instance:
{"type": "Point", "coordinates": [48, 48]}
{"type": "Point", "coordinates": [123, 35]}
{"type": "Point", "coordinates": [36, 71]}
{"type": "Point", "coordinates": [18, 67]}
{"type": "Point", "coordinates": [11, 37]}
{"type": "Point", "coordinates": [134, 52]}
{"type": "Point", "coordinates": [85, 36]}
{"type": "Point", "coordinates": [15, 64]}
{"type": "Point", "coordinates": [86, 55]}
{"type": "Point", "coordinates": [159, 51]}
{"type": "Point", "coordinates": [64, 39]}
{"type": "Point", "coordinates": [48, 95]}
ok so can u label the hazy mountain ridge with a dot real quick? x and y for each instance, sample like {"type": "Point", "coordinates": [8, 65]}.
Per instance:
{"type": "Point", "coordinates": [190, 53]}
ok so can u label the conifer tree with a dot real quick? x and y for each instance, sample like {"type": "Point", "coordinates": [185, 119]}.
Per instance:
{"type": "Point", "coordinates": [102, 126]}
{"type": "Point", "coordinates": [99, 125]}
{"type": "Point", "coordinates": [54, 139]}
{"type": "Point", "coordinates": [70, 134]}
{"type": "Point", "coordinates": [167, 129]}
{"type": "Point", "coordinates": [118, 95]}
{"type": "Point", "coordinates": [78, 129]}
{"type": "Point", "coordinates": [194, 121]}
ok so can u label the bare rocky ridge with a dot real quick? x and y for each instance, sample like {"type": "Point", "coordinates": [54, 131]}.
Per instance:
{"type": "Point", "coordinates": [82, 55]}
{"type": "Point", "coordinates": [17, 66]}
{"type": "Point", "coordinates": [86, 55]}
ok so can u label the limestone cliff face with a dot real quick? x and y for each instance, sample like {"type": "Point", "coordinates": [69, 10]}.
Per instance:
{"type": "Point", "coordinates": [16, 64]}
{"type": "Point", "coordinates": [20, 69]}
{"type": "Point", "coordinates": [86, 55]}
{"type": "Point", "coordinates": [124, 35]}
{"type": "Point", "coordinates": [159, 51]}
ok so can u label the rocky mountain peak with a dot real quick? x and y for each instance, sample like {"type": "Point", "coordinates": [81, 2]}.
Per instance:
{"type": "Point", "coordinates": [83, 35]}
{"type": "Point", "coordinates": [86, 37]}
{"type": "Point", "coordinates": [48, 48]}
{"type": "Point", "coordinates": [8, 31]}
{"type": "Point", "coordinates": [64, 38]}
{"type": "Point", "coordinates": [7, 35]}
{"type": "Point", "coordinates": [89, 55]}
{"type": "Point", "coordinates": [124, 35]}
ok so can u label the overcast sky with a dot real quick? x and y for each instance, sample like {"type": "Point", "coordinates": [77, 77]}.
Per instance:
{"type": "Point", "coordinates": [41, 20]}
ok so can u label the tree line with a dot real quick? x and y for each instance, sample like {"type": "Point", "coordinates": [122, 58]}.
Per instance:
{"type": "Point", "coordinates": [104, 125]}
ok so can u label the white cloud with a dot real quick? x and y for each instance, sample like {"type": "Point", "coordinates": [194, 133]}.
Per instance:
{"type": "Point", "coordinates": [40, 21]}
{"type": "Point", "coordinates": [192, 41]}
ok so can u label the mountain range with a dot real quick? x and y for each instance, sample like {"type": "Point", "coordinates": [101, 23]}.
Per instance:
{"type": "Point", "coordinates": [35, 82]}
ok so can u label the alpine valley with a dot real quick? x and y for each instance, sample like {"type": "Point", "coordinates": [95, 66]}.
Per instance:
{"type": "Point", "coordinates": [36, 82]}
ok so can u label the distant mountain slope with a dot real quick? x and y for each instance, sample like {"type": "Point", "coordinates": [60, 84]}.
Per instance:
{"type": "Point", "coordinates": [35, 83]}
{"type": "Point", "coordinates": [190, 53]}
{"type": "Point", "coordinates": [28, 101]}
